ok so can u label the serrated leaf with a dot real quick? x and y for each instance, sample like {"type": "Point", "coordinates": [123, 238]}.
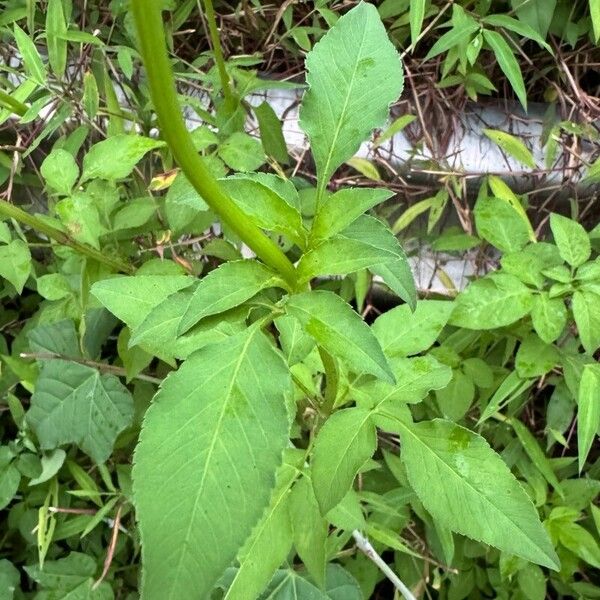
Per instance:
{"type": "Point", "coordinates": [402, 332]}
{"type": "Point", "coordinates": [226, 287]}
{"type": "Point", "coordinates": [339, 330]}
{"type": "Point", "coordinates": [269, 543]}
{"type": "Point", "coordinates": [588, 412]}
{"type": "Point", "coordinates": [15, 263]}
{"type": "Point", "coordinates": [75, 404]}
{"type": "Point", "coordinates": [131, 299]}
{"type": "Point", "coordinates": [205, 464]}
{"type": "Point", "coordinates": [473, 492]}
{"type": "Point", "coordinates": [571, 238]}
{"type": "Point", "coordinates": [341, 209]}
{"type": "Point", "coordinates": [494, 301]}
{"type": "Point", "coordinates": [508, 63]}
{"type": "Point", "coordinates": [339, 111]}
{"type": "Point", "coordinates": [116, 157]}
{"type": "Point", "coordinates": [512, 146]}
{"type": "Point", "coordinates": [270, 201]}
{"type": "Point", "coordinates": [344, 443]}
{"type": "Point", "coordinates": [586, 310]}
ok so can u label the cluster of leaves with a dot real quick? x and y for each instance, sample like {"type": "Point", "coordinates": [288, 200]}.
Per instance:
{"type": "Point", "coordinates": [275, 426]}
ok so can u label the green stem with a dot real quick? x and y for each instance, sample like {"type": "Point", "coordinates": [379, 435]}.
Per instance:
{"type": "Point", "coordinates": [153, 49]}
{"type": "Point", "coordinates": [218, 51]}
{"type": "Point", "coordinates": [14, 212]}
{"type": "Point", "coordinates": [12, 104]}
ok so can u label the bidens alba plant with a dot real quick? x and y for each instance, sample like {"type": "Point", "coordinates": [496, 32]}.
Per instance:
{"type": "Point", "coordinates": [249, 453]}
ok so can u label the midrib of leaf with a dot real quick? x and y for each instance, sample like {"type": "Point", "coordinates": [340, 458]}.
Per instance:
{"type": "Point", "coordinates": [186, 540]}
{"type": "Point", "coordinates": [440, 464]}
{"type": "Point", "coordinates": [350, 440]}
{"type": "Point", "coordinates": [323, 183]}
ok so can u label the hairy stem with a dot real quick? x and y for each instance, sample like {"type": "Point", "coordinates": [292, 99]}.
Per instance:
{"type": "Point", "coordinates": [14, 212]}
{"type": "Point", "coordinates": [217, 49]}
{"type": "Point", "coordinates": [153, 49]}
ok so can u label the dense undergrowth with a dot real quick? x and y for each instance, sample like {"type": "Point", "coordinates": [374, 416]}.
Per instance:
{"type": "Point", "coordinates": [283, 447]}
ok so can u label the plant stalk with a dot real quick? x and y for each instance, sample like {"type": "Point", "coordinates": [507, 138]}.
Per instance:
{"type": "Point", "coordinates": [14, 212]}
{"type": "Point", "coordinates": [215, 41]}
{"type": "Point", "coordinates": [153, 49]}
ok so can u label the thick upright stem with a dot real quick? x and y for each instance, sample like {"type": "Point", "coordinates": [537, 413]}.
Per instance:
{"type": "Point", "coordinates": [215, 41]}
{"type": "Point", "coordinates": [162, 89]}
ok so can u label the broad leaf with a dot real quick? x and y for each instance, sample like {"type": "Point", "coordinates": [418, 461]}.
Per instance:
{"type": "Point", "coordinates": [341, 209]}
{"type": "Point", "coordinates": [344, 443]}
{"type": "Point", "coordinates": [588, 412]}
{"type": "Point", "coordinates": [339, 330]}
{"type": "Point", "coordinates": [226, 287]}
{"type": "Point", "coordinates": [535, 358]}
{"type": "Point", "coordinates": [131, 299]}
{"type": "Point", "coordinates": [205, 464]}
{"type": "Point", "coordinates": [339, 110]}
{"type": "Point", "coordinates": [270, 201]}
{"type": "Point", "coordinates": [269, 543]}
{"type": "Point", "coordinates": [494, 301]}
{"type": "Point", "coordinates": [586, 310]}
{"type": "Point", "coordinates": [15, 263]}
{"type": "Point", "coordinates": [116, 157]}
{"type": "Point", "coordinates": [466, 486]}
{"type": "Point", "coordinates": [75, 404]}
{"type": "Point", "coordinates": [500, 224]}
{"type": "Point", "coordinates": [571, 238]}
{"type": "Point", "coordinates": [402, 332]}
{"type": "Point", "coordinates": [549, 317]}
{"type": "Point", "coordinates": [60, 171]}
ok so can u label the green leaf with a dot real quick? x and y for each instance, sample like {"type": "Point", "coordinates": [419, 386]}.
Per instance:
{"type": "Point", "coordinates": [74, 404]}
{"type": "Point", "coordinates": [581, 542]}
{"type": "Point", "coordinates": [397, 126]}
{"type": "Point", "coordinates": [242, 152]}
{"type": "Point", "coordinates": [402, 332]}
{"type": "Point", "coordinates": [10, 579]}
{"type": "Point", "coordinates": [467, 487]}
{"type": "Point", "coordinates": [270, 201]}
{"type": "Point", "coordinates": [227, 287]}
{"type": "Point", "coordinates": [495, 301]}
{"type": "Point", "coordinates": [15, 263]}
{"type": "Point", "coordinates": [508, 63]}
{"type": "Point", "coordinates": [341, 209]}
{"type": "Point", "coordinates": [535, 358]}
{"type": "Point", "coordinates": [549, 317]}
{"type": "Point", "coordinates": [512, 146]}
{"type": "Point", "coordinates": [456, 398]}
{"type": "Point", "coordinates": [309, 529]}
{"type": "Point", "coordinates": [595, 15]}
{"type": "Point", "coordinates": [586, 310]}
{"type": "Point", "coordinates": [80, 215]}
{"type": "Point", "coordinates": [572, 240]}
{"type": "Point", "coordinates": [532, 582]}
{"type": "Point", "coordinates": [10, 477]}
{"type": "Point", "coordinates": [116, 157]}
{"type": "Point", "coordinates": [56, 27]}
{"type": "Point", "coordinates": [51, 464]}
{"type": "Point", "coordinates": [501, 191]}
{"type": "Point", "coordinates": [411, 213]}
{"type": "Point", "coordinates": [131, 299]}
{"type": "Point", "coordinates": [339, 330]}
{"type": "Point", "coordinates": [417, 13]}
{"type": "Point", "coordinates": [295, 343]}
{"type": "Point", "coordinates": [521, 27]}
{"type": "Point", "coordinates": [269, 543]}
{"type": "Point", "coordinates": [344, 443]}
{"type": "Point", "coordinates": [60, 171]}
{"type": "Point", "coordinates": [271, 134]}
{"type": "Point", "coordinates": [588, 412]}
{"type": "Point", "coordinates": [205, 464]}
{"type": "Point", "coordinates": [91, 97]}
{"type": "Point", "coordinates": [134, 214]}
{"type": "Point", "coordinates": [500, 225]}
{"type": "Point", "coordinates": [454, 37]}
{"type": "Point", "coordinates": [339, 111]}
{"type": "Point", "coordinates": [365, 167]}
{"type": "Point", "coordinates": [34, 67]}
{"type": "Point", "coordinates": [535, 453]}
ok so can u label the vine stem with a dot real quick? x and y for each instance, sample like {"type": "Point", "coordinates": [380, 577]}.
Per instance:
{"type": "Point", "coordinates": [215, 41]}
{"type": "Point", "coordinates": [152, 46]}
{"type": "Point", "coordinates": [365, 546]}
{"type": "Point", "coordinates": [14, 212]}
